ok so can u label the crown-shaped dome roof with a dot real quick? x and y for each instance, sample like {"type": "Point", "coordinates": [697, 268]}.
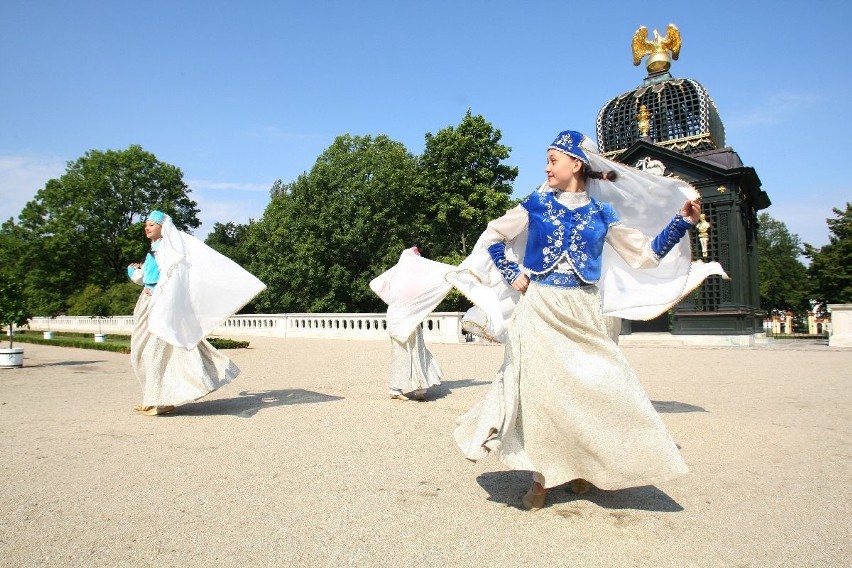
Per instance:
{"type": "Point", "coordinates": [677, 114]}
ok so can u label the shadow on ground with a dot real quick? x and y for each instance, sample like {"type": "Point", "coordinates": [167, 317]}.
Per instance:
{"type": "Point", "coordinates": [63, 364]}
{"type": "Point", "coordinates": [447, 387]}
{"type": "Point", "coordinates": [509, 487]}
{"type": "Point", "coordinates": [249, 403]}
{"type": "Point", "coordinates": [673, 406]}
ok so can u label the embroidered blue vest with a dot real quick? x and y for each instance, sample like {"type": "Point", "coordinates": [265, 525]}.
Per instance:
{"type": "Point", "coordinates": [556, 232]}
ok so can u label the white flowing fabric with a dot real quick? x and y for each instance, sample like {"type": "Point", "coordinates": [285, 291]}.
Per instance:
{"type": "Point", "coordinates": [412, 288]}
{"type": "Point", "coordinates": [643, 201]}
{"type": "Point", "coordinates": [198, 289]}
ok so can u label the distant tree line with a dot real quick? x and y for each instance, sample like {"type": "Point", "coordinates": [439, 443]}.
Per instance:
{"type": "Point", "coordinates": [320, 241]}
{"type": "Point", "coordinates": [325, 235]}
{"type": "Point", "coordinates": [786, 284]}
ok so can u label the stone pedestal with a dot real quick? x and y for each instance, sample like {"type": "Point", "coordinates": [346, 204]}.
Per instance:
{"type": "Point", "coordinates": [841, 325]}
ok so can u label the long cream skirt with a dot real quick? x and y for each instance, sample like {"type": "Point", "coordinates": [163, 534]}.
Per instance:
{"type": "Point", "coordinates": [412, 365]}
{"type": "Point", "coordinates": [171, 375]}
{"type": "Point", "coordinates": [566, 402]}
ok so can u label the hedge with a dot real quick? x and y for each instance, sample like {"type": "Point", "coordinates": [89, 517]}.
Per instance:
{"type": "Point", "coordinates": [116, 343]}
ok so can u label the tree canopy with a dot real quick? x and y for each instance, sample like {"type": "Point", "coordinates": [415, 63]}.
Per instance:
{"type": "Point", "coordinates": [783, 277]}
{"type": "Point", "coordinates": [326, 235]}
{"type": "Point", "coordinates": [85, 226]}
{"type": "Point", "coordinates": [830, 270]}
{"type": "Point", "coordinates": [465, 184]}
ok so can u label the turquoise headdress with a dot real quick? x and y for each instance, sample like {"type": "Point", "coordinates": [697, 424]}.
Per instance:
{"type": "Point", "coordinates": [156, 216]}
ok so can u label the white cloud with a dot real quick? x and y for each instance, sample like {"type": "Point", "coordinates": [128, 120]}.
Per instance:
{"type": "Point", "coordinates": [21, 177]}
{"type": "Point", "coordinates": [204, 184]}
{"type": "Point", "coordinates": [227, 202]}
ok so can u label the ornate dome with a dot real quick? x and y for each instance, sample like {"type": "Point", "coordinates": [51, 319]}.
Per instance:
{"type": "Point", "coordinates": [677, 114]}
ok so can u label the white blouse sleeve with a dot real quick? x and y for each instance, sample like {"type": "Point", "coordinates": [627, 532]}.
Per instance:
{"type": "Point", "coordinates": [633, 246]}
{"type": "Point", "coordinates": [507, 227]}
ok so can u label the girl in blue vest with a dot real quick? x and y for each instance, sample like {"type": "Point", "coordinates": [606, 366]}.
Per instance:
{"type": "Point", "coordinates": [566, 404]}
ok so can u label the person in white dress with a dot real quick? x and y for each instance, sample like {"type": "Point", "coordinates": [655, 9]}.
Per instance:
{"type": "Point", "coordinates": [413, 368]}
{"type": "Point", "coordinates": [189, 289]}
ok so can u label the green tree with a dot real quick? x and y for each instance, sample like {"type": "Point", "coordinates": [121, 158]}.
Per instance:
{"type": "Point", "coordinates": [84, 227]}
{"type": "Point", "coordinates": [19, 253]}
{"type": "Point", "coordinates": [14, 309]}
{"type": "Point", "coordinates": [465, 184]}
{"type": "Point", "coordinates": [229, 240]}
{"type": "Point", "coordinates": [88, 301]}
{"type": "Point", "coordinates": [324, 236]}
{"type": "Point", "coordinates": [830, 271]}
{"type": "Point", "coordinates": [783, 277]}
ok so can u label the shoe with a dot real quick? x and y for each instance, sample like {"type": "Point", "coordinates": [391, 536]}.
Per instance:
{"type": "Point", "coordinates": [579, 486]}
{"type": "Point", "coordinates": [158, 410]}
{"type": "Point", "coordinates": [397, 394]}
{"type": "Point", "coordinates": [534, 499]}
{"type": "Point", "coordinates": [142, 407]}
{"type": "Point", "coordinates": [420, 394]}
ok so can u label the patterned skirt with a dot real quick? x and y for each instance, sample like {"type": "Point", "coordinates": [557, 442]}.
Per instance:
{"type": "Point", "coordinates": [171, 375]}
{"type": "Point", "coordinates": [566, 403]}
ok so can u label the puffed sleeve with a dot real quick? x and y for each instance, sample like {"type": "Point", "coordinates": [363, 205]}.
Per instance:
{"type": "Point", "coordinates": [633, 246]}
{"type": "Point", "coordinates": [498, 232]}
{"type": "Point", "coordinates": [639, 250]}
{"type": "Point", "coordinates": [135, 275]}
{"type": "Point", "coordinates": [507, 227]}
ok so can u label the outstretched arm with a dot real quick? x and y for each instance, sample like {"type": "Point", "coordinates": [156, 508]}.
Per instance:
{"type": "Point", "coordinates": [640, 251]}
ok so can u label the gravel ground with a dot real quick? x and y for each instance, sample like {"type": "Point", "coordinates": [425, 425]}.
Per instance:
{"type": "Point", "coordinates": [303, 461]}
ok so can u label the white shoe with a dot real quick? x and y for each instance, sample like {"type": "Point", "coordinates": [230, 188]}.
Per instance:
{"type": "Point", "coordinates": [397, 394]}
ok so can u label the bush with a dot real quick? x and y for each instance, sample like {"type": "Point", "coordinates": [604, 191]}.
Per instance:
{"type": "Point", "coordinates": [117, 343]}
{"type": "Point", "coordinates": [74, 341]}
{"type": "Point", "coordinates": [221, 343]}
{"type": "Point", "coordinates": [87, 302]}
{"type": "Point", "coordinates": [122, 298]}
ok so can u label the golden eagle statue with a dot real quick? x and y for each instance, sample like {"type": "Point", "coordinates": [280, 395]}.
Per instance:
{"type": "Point", "coordinates": [658, 49]}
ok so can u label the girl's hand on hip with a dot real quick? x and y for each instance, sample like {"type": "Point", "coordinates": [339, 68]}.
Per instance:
{"type": "Point", "coordinates": [521, 283]}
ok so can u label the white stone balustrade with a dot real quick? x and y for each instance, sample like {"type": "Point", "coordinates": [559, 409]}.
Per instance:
{"type": "Point", "coordinates": [438, 327]}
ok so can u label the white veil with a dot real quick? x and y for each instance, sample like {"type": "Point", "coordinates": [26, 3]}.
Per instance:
{"type": "Point", "coordinates": [646, 202]}
{"type": "Point", "coordinates": [198, 288]}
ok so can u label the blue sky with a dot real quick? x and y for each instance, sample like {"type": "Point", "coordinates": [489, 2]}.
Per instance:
{"type": "Point", "coordinates": [239, 94]}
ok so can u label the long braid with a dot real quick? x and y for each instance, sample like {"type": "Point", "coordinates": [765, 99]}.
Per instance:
{"type": "Point", "coordinates": [589, 173]}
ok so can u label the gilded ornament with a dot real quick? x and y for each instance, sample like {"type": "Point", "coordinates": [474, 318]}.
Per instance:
{"type": "Point", "coordinates": [703, 227]}
{"type": "Point", "coordinates": [658, 48]}
{"type": "Point", "coordinates": [643, 119]}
